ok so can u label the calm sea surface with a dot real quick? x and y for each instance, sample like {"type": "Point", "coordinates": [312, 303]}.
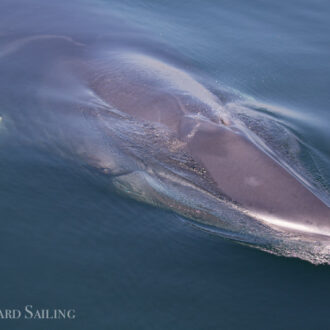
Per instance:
{"type": "Point", "coordinates": [68, 241]}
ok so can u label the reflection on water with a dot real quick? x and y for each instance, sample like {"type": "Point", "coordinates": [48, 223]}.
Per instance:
{"type": "Point", "coordinates": [65, 150]}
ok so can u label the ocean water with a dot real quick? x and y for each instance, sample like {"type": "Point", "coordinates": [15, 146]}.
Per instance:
{"type": "Point", "coordinates": [70, 241]}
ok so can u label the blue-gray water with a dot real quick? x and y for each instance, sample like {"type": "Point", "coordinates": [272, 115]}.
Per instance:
{"type": "Point", "coordinates": [68, 241]}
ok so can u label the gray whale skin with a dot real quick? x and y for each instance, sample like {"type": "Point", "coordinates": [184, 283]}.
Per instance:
{"type": "Point", "coordinates": [162, 137]}
{"type": "Point", "coordinates": [150, 90]}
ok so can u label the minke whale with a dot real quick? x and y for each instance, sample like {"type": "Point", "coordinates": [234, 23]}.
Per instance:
{"type": "Point", "coordinates": [162, 136]}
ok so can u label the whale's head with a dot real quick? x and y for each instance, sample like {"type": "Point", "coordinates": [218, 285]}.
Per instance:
{"type": "Point", "coordinates": [165, 138]}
